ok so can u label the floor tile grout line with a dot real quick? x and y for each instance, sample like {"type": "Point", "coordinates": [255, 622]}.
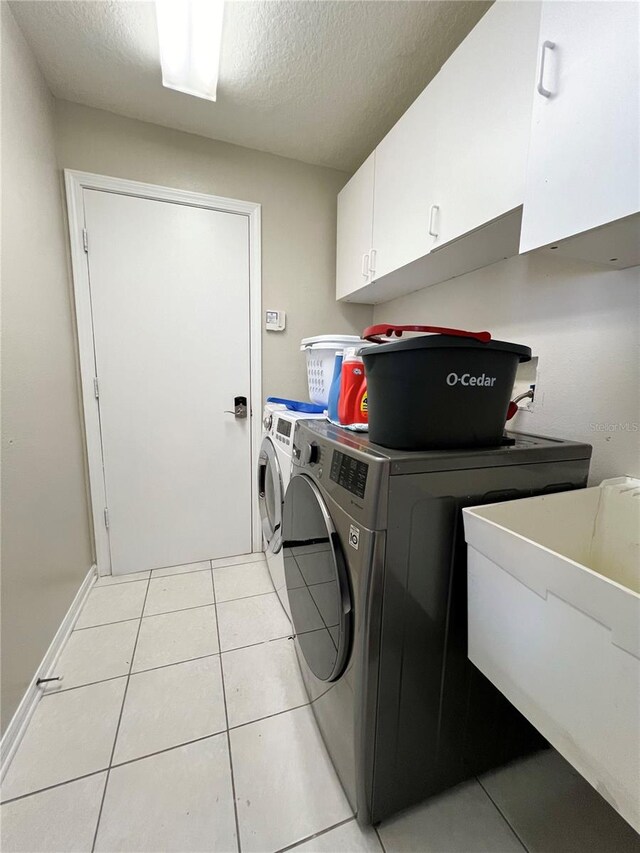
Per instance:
{"type": "Point", "coordinates": [262, 561]}
{"type": "Point", "coordinates": [171, 748]}
{"type": "Point", "coordinates": [179, 574]}
{"type": "Point", "coordinates": [269, 716]}
{"type": "Point", "coordinates": [243, 597]}
{"type": "Point", "coordinates": [98, 587]}
{"type": "Point", "coordinates": [324, 627]}
{"type": "Point", "coordinates": [380, 841]}
{"type": "Point", "coordinates": [226, 717]}
{"type": "Point", "coordinates": [104, 624]}
{"type": "Point", "coordinates": [51, 787]}
{"type": "Point", "coordinates": [306, 553]}
{"type": "Point", "coordinates": [51, 694]}
{"type": "Point", "coordinates": [167, 666]}
{"type": "Point", "coordinates": [210, 567]}
{"type": "Point", "coordinates": [174, 663]}
{"type": "Point", "coordinates": [502, 814]}
{"type": "Point", "coordinates": [261, 643]}
{"type": "Point", "coordinates": [152, 578]}
{"type": "Point", "coordinates": [134, 672]}
{"type": "Point", "coordinates": [124, 699]}
{"type": "Point", "coordinates": [176, 746]}
{"type": "Point", "coordinates": [153, 754]}
{"type": "Point", "coordinates": [173, 574]}
{"type": "Point", "coordinates": [272, 591]}
{"type": "Point", "coordinates": [101, 583]}
{"type": "Point", "coordinates": [315, 835]}
{"type": "Point", "coordinates": [178, 610]}
{"type": "Point", "coordinates": [113, 766]}
{"type": "Point", "coordinates": [148, 616]}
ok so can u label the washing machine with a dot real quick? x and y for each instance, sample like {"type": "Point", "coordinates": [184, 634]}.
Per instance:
{"type": "Point", "coordinates": [375, 568]}
{"type": "Point", "coordinates": [274, 471]}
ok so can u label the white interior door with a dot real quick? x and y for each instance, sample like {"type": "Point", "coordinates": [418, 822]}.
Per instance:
{"type": "Point", "coordinates": [169, 289]}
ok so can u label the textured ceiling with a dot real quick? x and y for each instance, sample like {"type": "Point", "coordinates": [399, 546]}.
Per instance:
{"type": "Point", "coordinates": [317, 80]}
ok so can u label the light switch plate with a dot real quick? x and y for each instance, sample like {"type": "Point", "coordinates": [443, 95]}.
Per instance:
{"type": "Point", "coordinates": [275, 321]}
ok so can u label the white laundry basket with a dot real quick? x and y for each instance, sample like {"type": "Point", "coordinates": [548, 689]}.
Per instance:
{"type": "Point", "coordinates": [321, 354]}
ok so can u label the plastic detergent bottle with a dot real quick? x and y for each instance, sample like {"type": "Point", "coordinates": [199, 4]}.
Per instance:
{"type": "Point", "coordinates": [352, 406]}
{"type": "Point", "coordinates": [334, 391]}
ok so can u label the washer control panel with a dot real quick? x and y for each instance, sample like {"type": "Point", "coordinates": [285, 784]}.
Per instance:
{"type": "Point", "coordinates": [349, 472]}
{"type": "Point", "coordinates": [356, 479]}
{"type": "Point", "coordinates": [283, 431]}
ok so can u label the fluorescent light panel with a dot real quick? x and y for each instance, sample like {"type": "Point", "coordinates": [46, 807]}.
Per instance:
{"type": "Point", "coordinates": [190, 35]}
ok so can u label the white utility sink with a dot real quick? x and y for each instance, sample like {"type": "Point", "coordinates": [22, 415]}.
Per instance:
{"type": "Point", "coordinates": [554, 623]}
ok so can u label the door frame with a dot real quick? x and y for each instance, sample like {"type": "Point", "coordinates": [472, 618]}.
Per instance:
{"type": "Point", "coordinates": [75, 183]}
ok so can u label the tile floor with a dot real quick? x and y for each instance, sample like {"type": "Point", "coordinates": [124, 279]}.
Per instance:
{"type": "Point", "coordinates": [182, 724]}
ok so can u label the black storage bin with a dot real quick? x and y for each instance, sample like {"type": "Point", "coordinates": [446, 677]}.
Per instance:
{"type": "Point", "coordinates": [440, 391]}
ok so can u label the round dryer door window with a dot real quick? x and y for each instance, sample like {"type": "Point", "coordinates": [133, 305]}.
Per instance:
{"type": "Point", "coordinates": [317, 580]}
{"type": "Point", "coordinates": [270, 495]}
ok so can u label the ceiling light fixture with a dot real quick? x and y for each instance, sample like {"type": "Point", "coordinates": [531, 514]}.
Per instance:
{"type": "Point", "coordinates": [190, 36]}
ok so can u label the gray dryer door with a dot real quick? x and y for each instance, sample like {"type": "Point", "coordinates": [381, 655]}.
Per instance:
{"type": "Point", "coordinates": [317, 581]}
{"type": "Point", "coordinates": [270, 495]}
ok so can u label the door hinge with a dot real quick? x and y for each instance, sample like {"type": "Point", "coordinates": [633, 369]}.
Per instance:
{"type": "Point", "coordinates": [85, 240]}
{"type": "Point", "coordinates": [106, 518]}
{"type": "Point", "coordinates": [96, 387]}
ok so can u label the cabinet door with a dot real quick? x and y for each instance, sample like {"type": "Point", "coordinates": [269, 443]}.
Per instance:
{"type": "Point", "coordinates": [355, 226]}
{"type": "Point", "coordinates": [404, 182]}
{"type": "Point", "coordinates": [584, 166]}
{"type": "Point", "coordinates": [483, 135]}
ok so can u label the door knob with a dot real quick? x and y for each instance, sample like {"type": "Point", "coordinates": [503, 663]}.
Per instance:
{"type": "Point", "coordinates": [239, 408]}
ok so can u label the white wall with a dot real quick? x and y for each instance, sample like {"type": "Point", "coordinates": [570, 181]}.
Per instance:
{"type": "Point", "coordinates": [46, 546]}
{"type": "Point", "coordinates": [298, 218]}
{"type": "Point", "coordinates": [581, 321]}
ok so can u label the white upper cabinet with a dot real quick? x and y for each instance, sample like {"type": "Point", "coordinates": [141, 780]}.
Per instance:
{"type": "Point", "coordinates": [456, 160]}
{"type": "Point", "coordinates": [453, 165]}
{"type": "Point", "coordinates": [528, 137]}
{"type": "Point", "coordinates": [584, 162]}
{"type": "Point", "coordinates": [355, 231]}
{"type": "Point", "coordinates": [483, 132]}
{"type": "Point", "coordinates": [405, 177]}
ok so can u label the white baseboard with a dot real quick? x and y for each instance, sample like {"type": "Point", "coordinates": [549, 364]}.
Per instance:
{"type": "Point", "coordinates": [20, 720]}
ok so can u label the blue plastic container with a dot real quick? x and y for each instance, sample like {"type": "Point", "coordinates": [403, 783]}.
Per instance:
{"type": "Point", "coordinates": [298, 406]}
{"type": "Point", "coordinates": [334, 391]}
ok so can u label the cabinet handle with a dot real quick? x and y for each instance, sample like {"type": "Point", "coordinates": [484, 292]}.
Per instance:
{"type": "Point", "coordinates": [434, 209]}
{"type": "Point", "coordinates": [372, 262]}
{"type": "Point", "coordinates": [365, 265]}
{"type": "Point", "coordinates": [546, 45]}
